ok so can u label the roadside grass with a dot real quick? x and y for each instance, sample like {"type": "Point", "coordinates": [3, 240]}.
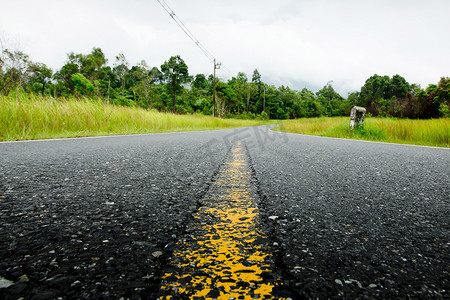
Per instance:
{"type": "Point", "coordinates": [435, 132]}
{"type": "Point", "coordinates": [25, 117]}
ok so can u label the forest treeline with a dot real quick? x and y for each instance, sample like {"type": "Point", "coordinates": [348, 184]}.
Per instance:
{"type": "Point", "coordinates": [171, 88]}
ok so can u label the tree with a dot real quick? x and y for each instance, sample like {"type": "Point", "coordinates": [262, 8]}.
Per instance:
{"type": "Point", "coordinates": [288, 98]}
{"type": "Point", "coordinates": [353, 97]}
{"type": "Point", "coordinates": [243, 91]}
{"type": "Point", "coordinates": [89, 64]}
{"type": "Point", "coordinates": [256, 78]}
{"type": "Point", "coordinates": [274, 104]}
{"type": "Point", "coordinates": [399, 87]}
{"type": "Point", "coordinates": [436, 99]}
{"type": "Point", "coordinates": [328, 93]}
{"type": "Point", "coordinates": [13, 70]}
{"type": "Point", "coordinates": [82, 85]}
{"type": "Point", "coordinates": [200, 82]}
{"type": "Point", "coordinates": [382, 95]}
{"type": "Point", "coordinates": [94, 62]}
{"type": "Point", "coordinates": [64, 78]}
{"type": "Point", "coordinates": [226, 99]}
{"type": "Point", "coordinates": [375, 88]}
{"type": "Point", "coordinates": [175, 74]}
{"type": "Point", "coordinates": [40, 74]}
{"type": "Point", "coordinates": [121, 69]}
{"type": "Point", "coordinates": [141, 81]}
{"type": "Point", "coordinates": [251, 90]}
{"type": "Point", "coordinates": [331, 101]}
{"type": "Point", "coordinates": [442, 97]}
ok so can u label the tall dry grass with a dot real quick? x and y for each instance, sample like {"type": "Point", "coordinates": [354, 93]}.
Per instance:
{"type": "Point", "coordinates": [24, 116]}
{"type": "Point", "coordinates": [435, 132]}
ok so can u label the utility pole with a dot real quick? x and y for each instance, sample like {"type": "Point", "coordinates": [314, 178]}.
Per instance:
{"type": "Point", "coordinates": [216, 66]}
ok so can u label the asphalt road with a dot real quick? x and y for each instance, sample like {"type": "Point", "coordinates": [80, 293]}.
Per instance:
{"type": "Point", "coordinates": [99, 218]}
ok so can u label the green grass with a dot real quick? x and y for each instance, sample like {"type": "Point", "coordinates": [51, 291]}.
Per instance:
{"type": "Point", "coordinates": [435, 132]}
{"type": "Point", "coordinates": [26, 117]}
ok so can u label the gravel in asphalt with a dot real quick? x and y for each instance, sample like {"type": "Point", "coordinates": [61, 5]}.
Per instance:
{"type": "Point", "coordinates": [223, 253]}
{"type": "Point", "coordinates": [358, 219]}
{"type": "Point", "coordinates": [100, 218]}
{"type": "Point", "coordinates": [88, 218]}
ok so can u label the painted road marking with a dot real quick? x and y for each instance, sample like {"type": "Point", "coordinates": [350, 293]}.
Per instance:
{"type": "Point", "coordinates": [224, 253]}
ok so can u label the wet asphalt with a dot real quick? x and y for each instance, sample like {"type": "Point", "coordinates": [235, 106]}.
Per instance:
{"type": "Point", "coordinates": [98, 218]}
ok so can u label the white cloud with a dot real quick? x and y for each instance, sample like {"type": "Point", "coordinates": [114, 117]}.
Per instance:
{"type": "Point", "coordinates": [305, 43]}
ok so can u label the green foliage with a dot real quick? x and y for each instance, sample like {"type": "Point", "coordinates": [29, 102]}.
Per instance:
{"type": "Point", "coordinates": [175, 74]}
{"type": "Point", "coordinates": [444, 110]}
{"type": "Point", "coordinates": [123, 101]}
{"type": "Point", "coordinates": [200, 82]}
{"type": "Point", "coordinates": [370, 132]}
{"type": "Point", "coordinates": [40, 76]}
{"type": "Point", "coordinates": [438, 96]}
{"type": "Point", "coordinates": [64, 78]}
{"type": "Point", "coordinates": [167, 89]}
{"type": "Point", "coordinates": [89, 65]}
{"type": "Point", "coordinates": [384, 96]}
{"type": "Point", "coordinates": [202, 105]}
{"type": "Point", "coordinates": [378, 91]}
{"type": "Point", "coordinates": [121, 70]}
{"type": "Point", "coordinates": [13, 70]}
{"type": "Point", "coordinates": [82, 85]}
{"type": "Point", "coordinates": [399, 87]}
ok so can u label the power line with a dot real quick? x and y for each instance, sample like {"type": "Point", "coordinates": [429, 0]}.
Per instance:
{"type": "Point", "coordinates": [191, 36]}
{"type": "Point", "coordinates": [227, 70]}
{"type": "Point", "coordinates": [185, 29]}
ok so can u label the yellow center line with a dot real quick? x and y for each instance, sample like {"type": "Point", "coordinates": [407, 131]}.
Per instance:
{"type": "Point", "coordinates": [224, 255]}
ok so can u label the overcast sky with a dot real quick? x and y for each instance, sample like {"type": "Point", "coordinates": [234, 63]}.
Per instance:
{"type": "Point", "coordinates": [297, 43]}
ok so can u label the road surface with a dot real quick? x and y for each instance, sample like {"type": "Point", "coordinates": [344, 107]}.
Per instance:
{"type": "Point", "coordinates": [246, 213]}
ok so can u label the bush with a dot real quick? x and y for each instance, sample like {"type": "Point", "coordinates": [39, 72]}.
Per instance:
{"type": "Point", "coordinates": [444, 111]}
{"type": "Point", "coordinates": [370, 132]}
{"type": "Point", "coordinates": [123, 101]}
{"type": "Point", "coordinates": [83, 86]}
{"type": "Point", "coordinates": [264, 116]}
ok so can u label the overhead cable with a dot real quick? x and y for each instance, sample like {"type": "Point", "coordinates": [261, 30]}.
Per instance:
{"type": "Point", "coordinates": [185, 29]}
